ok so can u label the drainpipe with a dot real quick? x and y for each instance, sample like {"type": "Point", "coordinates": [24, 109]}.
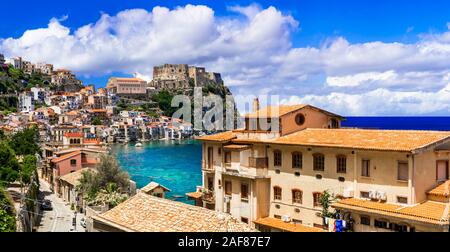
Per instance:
{"type": "Point", "coordinates": [251, 202]}
{"type": "Point", "coordinates": [355, 172]}
{"type": "Point", "coordinates": [411, 180]}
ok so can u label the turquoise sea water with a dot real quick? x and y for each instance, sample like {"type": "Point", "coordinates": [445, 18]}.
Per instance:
{"type": "Point", "coordinates": [174, 164]}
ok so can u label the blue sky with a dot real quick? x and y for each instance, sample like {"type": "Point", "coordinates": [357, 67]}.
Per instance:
{"type": "Point", "coordinates": [358, 21]}
{"type": "Point", "coordinates": [316, 51]}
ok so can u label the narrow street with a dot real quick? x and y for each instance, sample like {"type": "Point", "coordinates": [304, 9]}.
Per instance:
{"type": "Point", "coordinates": [60, 219]}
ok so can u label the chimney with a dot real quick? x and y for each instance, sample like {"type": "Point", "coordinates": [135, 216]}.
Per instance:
{"type": "Point", "coordinates": [255, 104]}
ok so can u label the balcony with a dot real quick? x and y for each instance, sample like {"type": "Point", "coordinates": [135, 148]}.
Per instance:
{"type": "Point", "coordinates": [206, 167]}
{"type": "Point", "coordinates": [208, 196]}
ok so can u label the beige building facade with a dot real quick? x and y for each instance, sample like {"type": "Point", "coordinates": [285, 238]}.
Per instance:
{"type": "Point", "coordinates": [274, 180]}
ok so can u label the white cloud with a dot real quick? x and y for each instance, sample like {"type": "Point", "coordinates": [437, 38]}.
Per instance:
{"type": "Point", "coordinates": [254, 52]}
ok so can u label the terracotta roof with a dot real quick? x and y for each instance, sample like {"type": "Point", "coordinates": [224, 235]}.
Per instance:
{"type": "Point", "coordinates": [98, 111]}
{"type": "Point", "coordinates": [236, 147]}
{"type": "Point", "coordinates": [286, 226]}
{"type": "Point", "coordinates": [64, 157]}
{"type": "Point", "coordinates": [146, 213]}
{"type": "Point", "coordinates": [219, 137]}
{"type": "Point", "coordinates": [441, 190]}
{"type": "Point", "coordinates": [281, 110]}
{"type": "Point", "coordinates": [429, 211]}
{"type": "Point", "coordinates": [74, 177]}
{"type": "Point", "coordinates": [73, 134]}
{"type": "Point", "coordinates": [152, 186]}
{"type": "Point", "coordinates": [394, 140]}
{"type": "Point", "coordinates": [194, 195]}
{"type": "Point", "coordinates": [73, 112]}
{"type": "Point", "coordinates": [275, 111]}
{"type": "Point", "coordinates": [130, 79]}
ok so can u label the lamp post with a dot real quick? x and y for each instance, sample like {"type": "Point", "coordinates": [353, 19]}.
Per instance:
{"type": "Point", "coordinates": [74, 222]}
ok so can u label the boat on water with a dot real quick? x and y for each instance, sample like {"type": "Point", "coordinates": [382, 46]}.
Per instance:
{"type": "Point", "coordinates": [138, 145]}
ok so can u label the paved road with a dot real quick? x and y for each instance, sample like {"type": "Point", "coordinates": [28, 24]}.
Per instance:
{"type": "Point", "coordinates": [60, 219]}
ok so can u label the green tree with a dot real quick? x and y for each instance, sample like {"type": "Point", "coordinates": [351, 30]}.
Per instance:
{"type": "Point", "coordinates": [96, 121]}
{"type": "Point", "coordinates": [9, 166]}
{"type": "Point", "coordinates": [7, 213]}
{"type": "Point", "coordinates": [28, 168]}
{"type": "Point", "coordinates": [7, 222]}
{"type": "Point", "coordinates": [26, 142]}
{"type": "Point", "coordinates": [107, 172]}
{"type": "Point", "coordinates": [164, 100]}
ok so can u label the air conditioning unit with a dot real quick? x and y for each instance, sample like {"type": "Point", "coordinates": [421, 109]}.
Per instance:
{"type": "Point", "coordinates": [348, 193]}
{"type": "Point", "coordinates": [373, 194]}
{"type": "Point", "coordinates": [227, 199]}
{"type": "Point", "coordinates": [381, 196]}
{"type": "Point", "coordinates": [286, 218]}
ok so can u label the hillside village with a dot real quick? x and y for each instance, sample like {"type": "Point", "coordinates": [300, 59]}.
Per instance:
{"type": "Point", "coordinates": [127, 109]}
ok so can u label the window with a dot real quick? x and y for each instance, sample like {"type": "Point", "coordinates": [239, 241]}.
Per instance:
{"type": "Point", "coordinates": [365, 220]}
{"type": "Point", "coordinates": [300, 119]}
{"type": "Point", "coordinates": [402, 200]}
{"type": "Point", "coordinates": [334, 123]}
{"type": "Point", "coordinates": [381, 224]}
{"type": "Point", "coordinates": [297, 196]}
{"type": "Point", "coordinates": [319, 162]}
{"type": "Point", "coordinates": [297, 160]}
{"type": "Point", "coordinates": [277, 193]}
{"type": "Point", "coordinates": [277, 158]}
{"type": "Point", "coordinates": [318, 225]}
{"type": "Point", "coordinates": [228, 187]}
{"type": "Point", "coordinates": [441, 170]}
{"type": "Point", "coordinates": [245, 220]}
{"type": "Point", "coordinates": [295, 221]}
{"type": "Point", "coordinates": [341, 164]}
{"type": "Point", "coordinates": [402, 171]}
{"type": "Point", "coordinates": [73, 162]}
{"type": "Point", "coordinates": [244, 192]}
{"type": "Point", "coordinates": [365, 168]}
{"type": "Point", "coordinates": [210, 184]}
{"type": "Point", "coordinates": [227, 157]}
{"type": "Point", "coordinates": [316, 197]}
{"type": "Point", "coordinates": [277, 216]}
{"type": "Point", "coordinates": [399, 228]}
{"type": "Point", "coordinates": [364, 195]}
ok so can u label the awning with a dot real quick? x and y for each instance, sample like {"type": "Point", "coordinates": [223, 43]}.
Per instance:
{"type": "Point", "coordinates": [286, 226]}
{"type": "Point", "coordinates": [236, 147]}
{"type": "Point", "coordinates": [194, 195]}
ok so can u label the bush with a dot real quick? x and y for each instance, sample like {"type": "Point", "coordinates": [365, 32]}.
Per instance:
{"type": "Point", "coordinates": [7, 213]}
{"type": "Point", "coordinates": [9, 166]}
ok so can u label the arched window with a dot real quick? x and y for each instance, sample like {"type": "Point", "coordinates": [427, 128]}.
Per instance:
{"type": "Point", "coordinates": [277, 158]}
{"type": "Point", "coordinates": [297, 196]}
{"type": "Point", "coordinates": [277, 193]}
{"type": "Point", "coordinates": [319, 162]}
{"type": "Point", "coordinates": [297, 160]}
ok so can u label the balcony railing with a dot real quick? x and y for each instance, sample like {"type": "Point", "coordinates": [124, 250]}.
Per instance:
{"type": "Point", "coordinates": [208, 195]}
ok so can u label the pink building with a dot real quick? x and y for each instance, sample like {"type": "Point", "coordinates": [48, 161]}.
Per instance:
{"type": "Point", "coordinates": [70, 163]}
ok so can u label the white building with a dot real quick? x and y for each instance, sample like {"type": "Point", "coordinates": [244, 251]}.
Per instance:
{"type": "Point", "coordinates": [26, 102]}
{"type": "Point", "coordinates": [38, 94]}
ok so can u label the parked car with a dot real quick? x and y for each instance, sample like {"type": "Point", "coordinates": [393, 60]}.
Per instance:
{"type": "Point", "coordinates": [46, 205]}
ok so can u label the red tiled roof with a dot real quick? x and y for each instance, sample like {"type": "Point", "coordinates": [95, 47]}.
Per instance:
{"type": "Point", "coordinates": [62, 158]}
{"type": "Point", "coordinates": [73, 134]}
